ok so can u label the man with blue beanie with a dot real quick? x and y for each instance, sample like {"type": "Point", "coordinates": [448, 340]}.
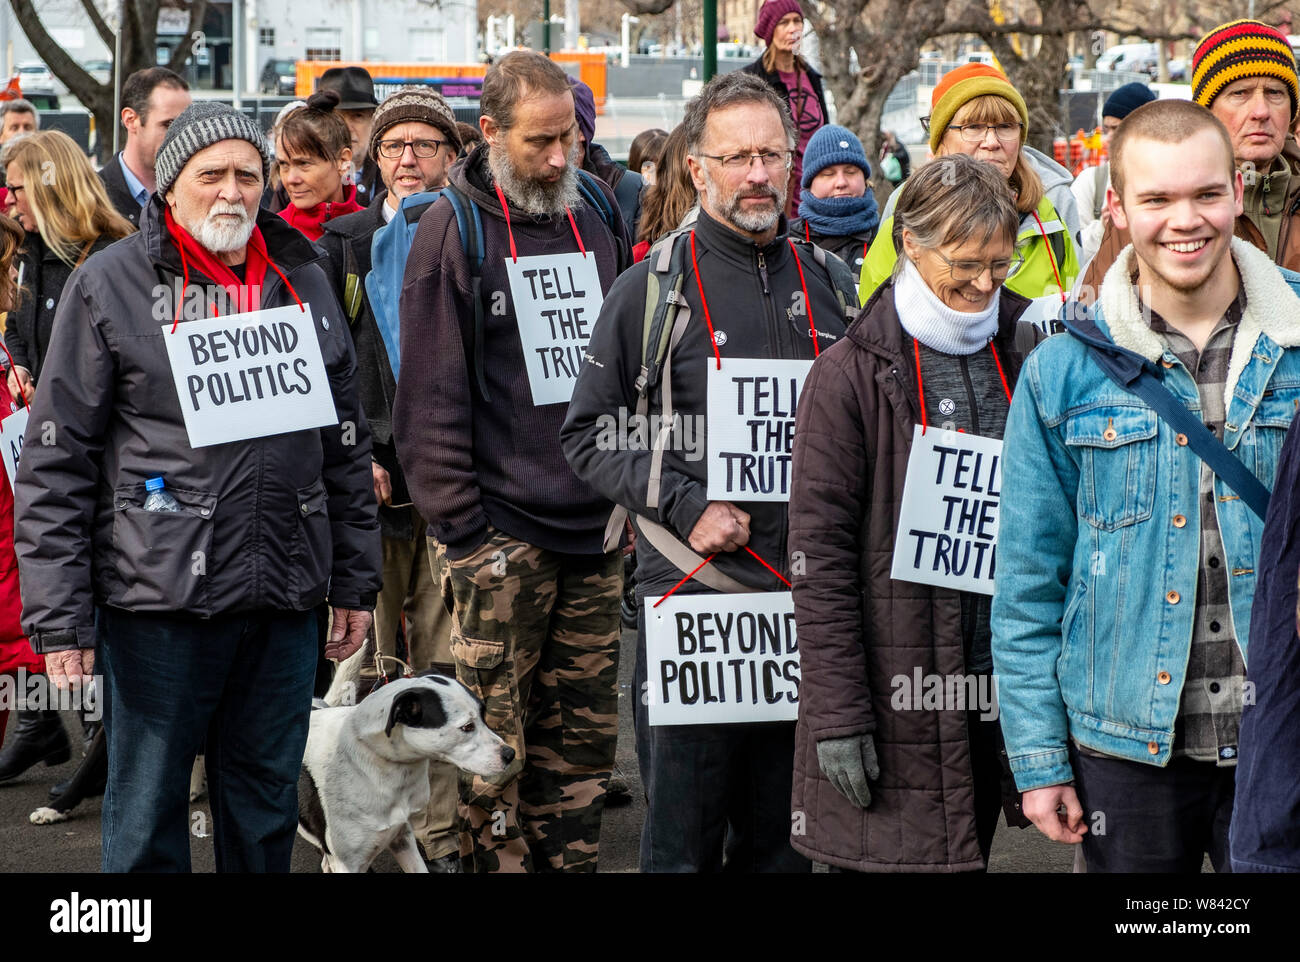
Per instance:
{"type": "Point", "coordinates": [1090, 186]}
{"type": "Point", "coordinates": [837, 210]}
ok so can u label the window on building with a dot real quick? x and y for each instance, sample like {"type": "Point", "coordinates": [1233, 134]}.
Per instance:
{"type": "Point", "coordinates": [266, 36]}
{"type": "Point", "coordinates": [324, 43]}
{"type": "Point", "coordinates": [428, 45]}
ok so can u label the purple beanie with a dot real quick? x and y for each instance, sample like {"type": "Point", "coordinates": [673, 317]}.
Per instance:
{"type": "Point", "coordinates": [584, 108]}
{"type": "Point", "coordinates": [771, 14]}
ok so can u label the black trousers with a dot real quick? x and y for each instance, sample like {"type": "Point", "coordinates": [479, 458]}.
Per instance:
{"type": "Point", "coordinates": [1147, 819]}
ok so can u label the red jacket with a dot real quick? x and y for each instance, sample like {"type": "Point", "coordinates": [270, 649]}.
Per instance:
{"type": "Point", "coordinates": [311, 222]}
{"type": "Point", "coordinates": [15, 649]}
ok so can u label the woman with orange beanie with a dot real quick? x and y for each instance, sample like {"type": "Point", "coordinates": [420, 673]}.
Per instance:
{"type": "Point", "coordinates": [976, 111]}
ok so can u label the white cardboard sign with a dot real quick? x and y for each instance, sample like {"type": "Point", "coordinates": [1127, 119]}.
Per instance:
{"type": "Point", "coordinates": [717, 659]}
{"type": "Point", "coordinates": [751, 413]}
{"type": "Point", "coordinates": [250, 375]}
{"type": "Point", "coordinates": [557, 299]}
{"type": "Point", "coordinates": [12, 430]}
{"type": "Point", "coordinates": [1044, 313]}
{"type": "Point", "coordinates": [948, 522]}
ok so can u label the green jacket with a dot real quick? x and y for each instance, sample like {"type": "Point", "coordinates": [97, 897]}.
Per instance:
{"type": "Point", "coordinates": [1035, 278]}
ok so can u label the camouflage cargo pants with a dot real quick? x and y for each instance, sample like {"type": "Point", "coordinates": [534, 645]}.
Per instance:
{"type": "Point", "coordinates": [536, 636]}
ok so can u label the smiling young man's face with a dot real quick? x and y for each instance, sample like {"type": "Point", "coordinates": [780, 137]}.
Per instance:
{"type": "Point", "coordinates": [1180, 204]}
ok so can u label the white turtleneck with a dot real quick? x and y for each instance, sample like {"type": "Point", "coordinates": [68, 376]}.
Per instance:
{"type": "Point", "coordinates": [935, 324]}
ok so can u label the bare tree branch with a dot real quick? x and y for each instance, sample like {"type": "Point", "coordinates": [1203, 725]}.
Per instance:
{"type": "Point", "coordinates": [97, 21]}
{"type": "Point", "coordinates": [183, 49]}
{"type": "Point", "coordinates": [79, 83]}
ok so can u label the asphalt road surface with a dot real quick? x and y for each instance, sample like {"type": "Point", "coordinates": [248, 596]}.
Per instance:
{"type": "Point", "coordinates": [74, 845]}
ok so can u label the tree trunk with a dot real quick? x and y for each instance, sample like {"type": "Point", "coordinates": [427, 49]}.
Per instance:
{"type": "Point", "coordinates": [888, 41]}
{"type": "Point", "coordinates": [139, 38]}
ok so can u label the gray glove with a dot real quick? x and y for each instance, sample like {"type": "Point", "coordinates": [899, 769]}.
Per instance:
{"type": "Point", "coordinates": [849, 763]}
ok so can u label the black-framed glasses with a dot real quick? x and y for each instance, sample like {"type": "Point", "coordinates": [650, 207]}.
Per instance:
{"type": "Point", "coordinates": [772, 159]}
{"type": "Point", "coordinates": [424, 149]}
{"type": "Point", "coordinates": [16, 189]}
{"type": "Point", "coordinates": [999, 270]}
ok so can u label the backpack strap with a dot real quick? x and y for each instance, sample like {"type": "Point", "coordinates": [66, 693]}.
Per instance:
{"type": "Point", "coordinates": [662, 326]}
{"type": "Point", "coordinates": [469, 222]}
{"type": "Point", "coordinates": [840, 274]}
{"type": "Point", "coordinates": [1139, 379]}
{"type": "Point", "coordinates": [1100, 177]}
{"type": "Point", "coordinates": [595, 197]}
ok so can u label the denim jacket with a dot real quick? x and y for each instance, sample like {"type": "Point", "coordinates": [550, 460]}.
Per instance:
{"type": "Point", "coordinates": [1099, 539]}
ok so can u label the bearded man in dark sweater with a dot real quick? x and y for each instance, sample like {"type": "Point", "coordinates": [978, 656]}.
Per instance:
{"type": "Point", "coordinates": [489, 359]}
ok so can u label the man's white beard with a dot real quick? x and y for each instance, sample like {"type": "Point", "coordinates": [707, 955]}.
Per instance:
{"type": "Point", "coordinates": [754, 221]}
{"type": "Point", "coordinates": [530, 195]}
{"type": "Point", "coordinates": [221, 236]}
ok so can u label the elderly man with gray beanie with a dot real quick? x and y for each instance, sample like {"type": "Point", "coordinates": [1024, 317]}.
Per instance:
{"type": "Point", "coordinates": [208, 486]}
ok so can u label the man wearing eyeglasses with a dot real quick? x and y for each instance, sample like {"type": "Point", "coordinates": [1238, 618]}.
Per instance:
{"type": "Point", "coordinates": [414, 141]}
{"type": "Point", "coordinates": [719, 793]}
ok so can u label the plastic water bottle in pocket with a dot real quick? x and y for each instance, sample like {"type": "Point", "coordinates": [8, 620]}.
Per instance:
{"type": "Point", "coordinates": [158, 499]}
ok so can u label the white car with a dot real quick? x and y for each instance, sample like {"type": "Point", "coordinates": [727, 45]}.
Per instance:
{"type": "Point", "coordinates": [35, 75]}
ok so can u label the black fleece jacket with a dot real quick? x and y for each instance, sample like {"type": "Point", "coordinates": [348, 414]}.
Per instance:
{"type": "Point", "coordinates": [471, 463]}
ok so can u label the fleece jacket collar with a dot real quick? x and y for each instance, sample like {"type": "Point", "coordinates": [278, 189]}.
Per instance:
{"type": "Point", "coordinates": [1270, 310]}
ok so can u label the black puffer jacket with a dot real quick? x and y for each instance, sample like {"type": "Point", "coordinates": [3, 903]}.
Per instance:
{"type": "Point", "coordinates": [753, 294]}
{"type": "Point", "coordinates": [42, 277]}
{"type": "Point", "coordinates": [273, 523]}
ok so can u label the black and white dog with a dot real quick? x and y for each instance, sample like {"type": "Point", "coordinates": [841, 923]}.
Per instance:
{"type": "Point", "coordinates": [366, 768]}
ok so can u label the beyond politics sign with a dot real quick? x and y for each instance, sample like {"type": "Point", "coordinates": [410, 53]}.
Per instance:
{"type": "Point", "coordinates": [557, 299]}
{"type": "Point", "coordinates": [250, 375]}
{"type": "Point", "coordinates": [719, 658]}
{"type": "Point", "coordinates": [751, 411]}
{"type": "Point", "coordinates": [948, 522]}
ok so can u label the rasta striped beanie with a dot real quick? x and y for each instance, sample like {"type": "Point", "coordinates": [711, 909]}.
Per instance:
{"type": "Point", "coordinates": [1242, 48]}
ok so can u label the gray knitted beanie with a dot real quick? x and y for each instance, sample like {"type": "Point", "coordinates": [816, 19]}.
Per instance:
{"type": "Point", "coordinates": [202, 124]}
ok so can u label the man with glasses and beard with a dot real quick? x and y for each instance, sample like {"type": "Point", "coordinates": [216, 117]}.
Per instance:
{"type": "Point", "coordinates": [719, 793]}
{"type": "Point", "coordinates": [490, 350]}
{"type": "Point", "coordinates": [195, 557]}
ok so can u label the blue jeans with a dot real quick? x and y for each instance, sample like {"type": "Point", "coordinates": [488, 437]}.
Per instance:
{"type": "Point", "coordinates": [718, 796]}
{"type": "Point", "coordinates": [237, 688]}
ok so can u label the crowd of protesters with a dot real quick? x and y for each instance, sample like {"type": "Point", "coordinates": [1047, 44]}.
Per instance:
{"type": "Point", "coordinates": [1125, 344]}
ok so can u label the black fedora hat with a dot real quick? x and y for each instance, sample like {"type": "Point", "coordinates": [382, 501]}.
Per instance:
{"type": "Point", "coordinates": [355, 88]}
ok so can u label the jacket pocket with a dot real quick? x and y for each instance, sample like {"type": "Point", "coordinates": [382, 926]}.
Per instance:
{"type": "Point", "coordinates": [1117, 453]}
{"type": "Point", "coordinates": [1261, 443]}
{"type": "Point", "coordinates": [312, 555]}
{"type": "Point", "coordinates": [163, 558]}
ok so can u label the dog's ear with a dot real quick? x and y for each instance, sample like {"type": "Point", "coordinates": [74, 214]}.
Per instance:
{"type": "Point", "coordinates": [417, 708]}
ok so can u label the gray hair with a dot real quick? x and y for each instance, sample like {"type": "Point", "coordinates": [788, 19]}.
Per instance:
{"type": "Point", "coordinates": [19, 106]}
{"type": "Point", "coordinates": [727, 90]}
{"type": "Point", "coordinates": [950, 200]}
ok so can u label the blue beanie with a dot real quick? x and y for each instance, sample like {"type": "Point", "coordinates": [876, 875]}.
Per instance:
{"type": "Point", "coordinates": [1127, 99]}
{"type": "Point", "coordinates": [829, 146]}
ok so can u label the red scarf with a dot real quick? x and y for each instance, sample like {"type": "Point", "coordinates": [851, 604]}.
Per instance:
{"type": "Point", "coordinates": [245, 294]}
{"type": "Point", "coordinates": [311, 222]}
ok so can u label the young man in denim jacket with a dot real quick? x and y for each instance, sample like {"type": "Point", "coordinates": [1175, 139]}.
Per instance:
{"type": "Point", "coordinates": [1126, 567]}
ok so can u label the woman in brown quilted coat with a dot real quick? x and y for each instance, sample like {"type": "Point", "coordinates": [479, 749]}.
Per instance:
{"type": "Point", "coordinates": [884, 779]}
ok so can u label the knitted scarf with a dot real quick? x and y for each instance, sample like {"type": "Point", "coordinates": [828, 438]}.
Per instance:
{"type": "Point", "coordinates": [839, 216]}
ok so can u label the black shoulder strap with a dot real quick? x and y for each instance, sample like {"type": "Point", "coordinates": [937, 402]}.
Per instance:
{"type": "Point", "coordinates": [1208, 448]}
{"type": "Point", "coordinates": [470, 225]}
